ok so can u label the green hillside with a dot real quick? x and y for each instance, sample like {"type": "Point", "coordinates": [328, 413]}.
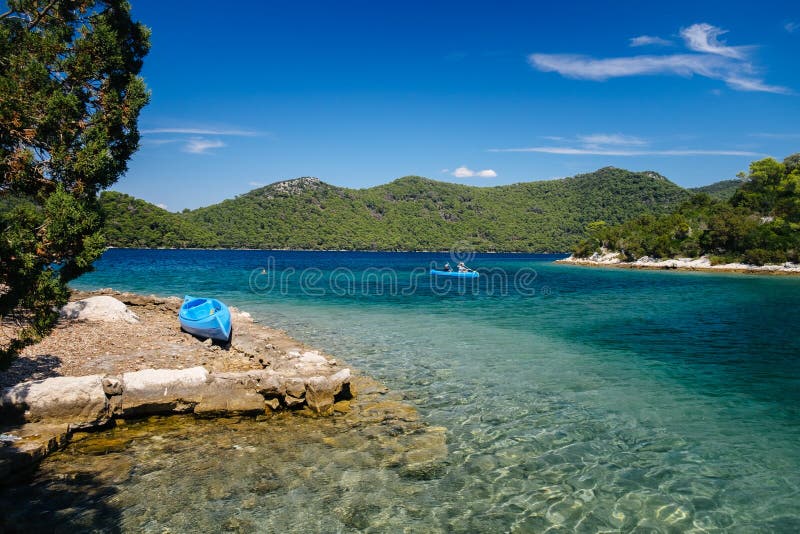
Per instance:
{"type": "Point", "coordinates": [410, 213]}
{"type": "Point", "coordinates": [758, 224]}
{"type": "Point", "coordinates": [723, 190]}
{"type": "Point", "coordinates": [132, 222]}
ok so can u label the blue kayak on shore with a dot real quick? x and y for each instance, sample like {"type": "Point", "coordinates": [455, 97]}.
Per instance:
{"type": "Point", "coordinates": [205, 317]}
{"type": "Point", "coordinates": [456, 274]}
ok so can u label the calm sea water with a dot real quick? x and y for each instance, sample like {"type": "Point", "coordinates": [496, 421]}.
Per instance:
{"type": "Point", "coordinates": [574, 399]}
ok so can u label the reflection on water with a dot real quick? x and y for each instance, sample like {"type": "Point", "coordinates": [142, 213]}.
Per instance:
{"type": "Point", "coordinates": [617, 401]}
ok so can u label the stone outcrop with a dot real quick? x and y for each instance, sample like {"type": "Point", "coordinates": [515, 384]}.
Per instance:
{"type": "Point", "coordinates": [102, 308]}
{"type": "Point", "coordinates": [40, 415]}
{"type": "Point", "coordinates": [261, 371]}
{"type": "Point", "coordinates": [91, 401]}
{"type": "Point", "coordinates": [79, 401]}
{"type": "Point", "coordinates": [703, 263]}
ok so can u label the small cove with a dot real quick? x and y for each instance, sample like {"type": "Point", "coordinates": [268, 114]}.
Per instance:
{"type": "Point", "coordinates": [576, 399]}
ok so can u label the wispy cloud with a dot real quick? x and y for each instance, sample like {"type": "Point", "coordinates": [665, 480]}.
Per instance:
{"type": "Point", "coordinates": [193, 140]}
{"type": "Point", "coordinates": [256, 184]}
{"type": "Point", "coordinates": [649, 40]}
{"type": "Point", "coordinates": [791, 27]}
{"type": "Point", "coordinates": [199, 131]}
{"type": "Point", "coordinates": [162, 206]}
{"type": "Point", "coordinates": [703, 38]}
{"type": "Point", "coordinates": [623, 152]}
{"type": "Point", "coordinates": [611, 139]}
{"type": "Point", "coordinates": [466, 172]}
{"type": "Point", "coordinates": [199, 145]}
{"type": "Point", "coordinates": [604, 144]}
{"type": "Point", "coordinates": [715, 60]}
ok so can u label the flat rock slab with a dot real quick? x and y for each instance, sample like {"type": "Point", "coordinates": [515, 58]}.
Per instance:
{"type": "Point", "coordinates": [162, 390]}
{"type": "Point", "coordinates": [24, 447]}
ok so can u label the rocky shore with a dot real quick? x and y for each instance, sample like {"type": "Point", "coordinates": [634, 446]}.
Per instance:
{"type": "Point", "coordinates": [119, 356]}
{"type": "Point", "coordinates": [613, 259]}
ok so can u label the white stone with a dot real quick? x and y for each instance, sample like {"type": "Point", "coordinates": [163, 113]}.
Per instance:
{"type": "Point", "coordinates": [102, 308]}
{"type": "Point", "coordinates": [79, 400]}
{"type": "Point", "coordinates": [313, 357]}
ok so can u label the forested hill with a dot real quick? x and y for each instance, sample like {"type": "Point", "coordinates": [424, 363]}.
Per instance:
{"type": "Point", "coordinates": [758, 224]}
{"type": "Point", "coordinates": [723, 190]}
{"type": "Point", "coordinates": [410, 213]}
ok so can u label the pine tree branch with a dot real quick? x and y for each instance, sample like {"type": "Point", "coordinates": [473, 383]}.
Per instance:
{"type": "Point", "coordinates": [42, 14]}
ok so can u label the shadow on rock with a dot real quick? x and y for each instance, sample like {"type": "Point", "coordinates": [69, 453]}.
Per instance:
{"type": "Point", "coordinates": [19, 370]}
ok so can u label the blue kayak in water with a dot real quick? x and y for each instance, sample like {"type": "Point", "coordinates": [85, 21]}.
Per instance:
{"type": "Point", "coordinates": [467, 274]}
{"type": "Point", "coordinates": [204, 317]}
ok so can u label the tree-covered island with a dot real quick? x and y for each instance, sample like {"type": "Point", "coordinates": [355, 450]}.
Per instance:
{"type": "Point", "coordinates": [759, 224]}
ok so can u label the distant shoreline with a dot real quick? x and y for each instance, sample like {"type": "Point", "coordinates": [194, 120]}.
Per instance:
{"type": "Point", "coordinates": [702, 264]}
{"type": "Point", "coordinates": [445, 251]}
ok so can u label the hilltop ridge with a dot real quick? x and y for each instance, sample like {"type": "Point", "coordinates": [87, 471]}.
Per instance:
{"type": "Point", "coordinates": [408, 213]}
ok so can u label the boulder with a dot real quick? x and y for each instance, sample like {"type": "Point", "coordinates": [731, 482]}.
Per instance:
{"type": "Point", "coordinates": [102, 308]}
{"type": "Point", "coordinates": [112, 385]}
{"type": "Point", "coordinates": [319, 394]}
{"type": "Point", "coordinates": [79, 400]}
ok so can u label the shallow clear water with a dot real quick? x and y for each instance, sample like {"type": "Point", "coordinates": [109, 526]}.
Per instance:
{"type": "Point", "coordinates": [573, 398]}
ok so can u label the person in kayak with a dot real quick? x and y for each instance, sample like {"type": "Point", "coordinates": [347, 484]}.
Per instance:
{"type": "Point", "coordinates": [463, 268]}
{"type": "Point", "coordinates": [447, 267]}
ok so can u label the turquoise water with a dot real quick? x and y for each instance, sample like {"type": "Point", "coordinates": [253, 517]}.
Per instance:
{"type": "Point", "coordinates": [573, 398]}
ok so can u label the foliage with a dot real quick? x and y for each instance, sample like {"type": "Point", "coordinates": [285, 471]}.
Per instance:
{"type": "Point", "coordinates": [68, 125]}
{"type": "Point", "coordinates": [131, 222]}
{"type": "Point", "coordinates": [723, 190]}
{"type": "Point", "coordinates": [759, 224]}
{"type": "Point", "coordinates": [410, 213]}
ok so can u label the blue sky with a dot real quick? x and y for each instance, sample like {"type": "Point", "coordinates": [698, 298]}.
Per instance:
{"type": "Point", "coordinates": [483, 93]}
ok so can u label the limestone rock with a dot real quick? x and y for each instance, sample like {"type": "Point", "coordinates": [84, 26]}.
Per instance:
{"type": "Point", "coordinates": [78, 400]}
{"type": "Point", "coordinates": [102, 308]}
{"type": "Point", "coordinates": [319, 394]}
{"type": "Point", "coordinates": [296, 387]}
{"type": "Point", "coordinates": [230, 393]}
{"type": "Point", "coordinates": [247, 344]}
{"type": "Point", "coordinates": [33, 442]}
{"type": "Point", "coordinates": [163, 390]}
{"type": "Point", "coordinates": [112, 385]}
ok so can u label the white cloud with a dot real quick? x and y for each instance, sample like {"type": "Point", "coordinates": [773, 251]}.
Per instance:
{"type": "Point", "coordinates": [199, 145]}
{"type": "Point", "coordinates": [703, 38]}
{"type": "Point", "coordinates": [611, 139]}
{"type": "Point", "coordinates": [716, 61]}
{"type": "Point", "coordinates": [256, 184]}
{"type": "Point", "coordinates": [465, 172]}
{"type": "Point", "coordinates": [647, 40]}
{"type": "Point", "coordinates": [162, 206]}
{"type": "Point", "coordinates": [791, 27]}
{"type": "Point", "coordinates": [572, 151]}
{"type": "Point", "coordinates": [198, 131]}
{"type": "Point", "coordinates": [585, 67]}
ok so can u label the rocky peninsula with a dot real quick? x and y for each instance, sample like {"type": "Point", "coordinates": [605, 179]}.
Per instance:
{"type": "Point", "coordinates": [120, 356]}
{"type": "Point", "coordinates": [614, 259]}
